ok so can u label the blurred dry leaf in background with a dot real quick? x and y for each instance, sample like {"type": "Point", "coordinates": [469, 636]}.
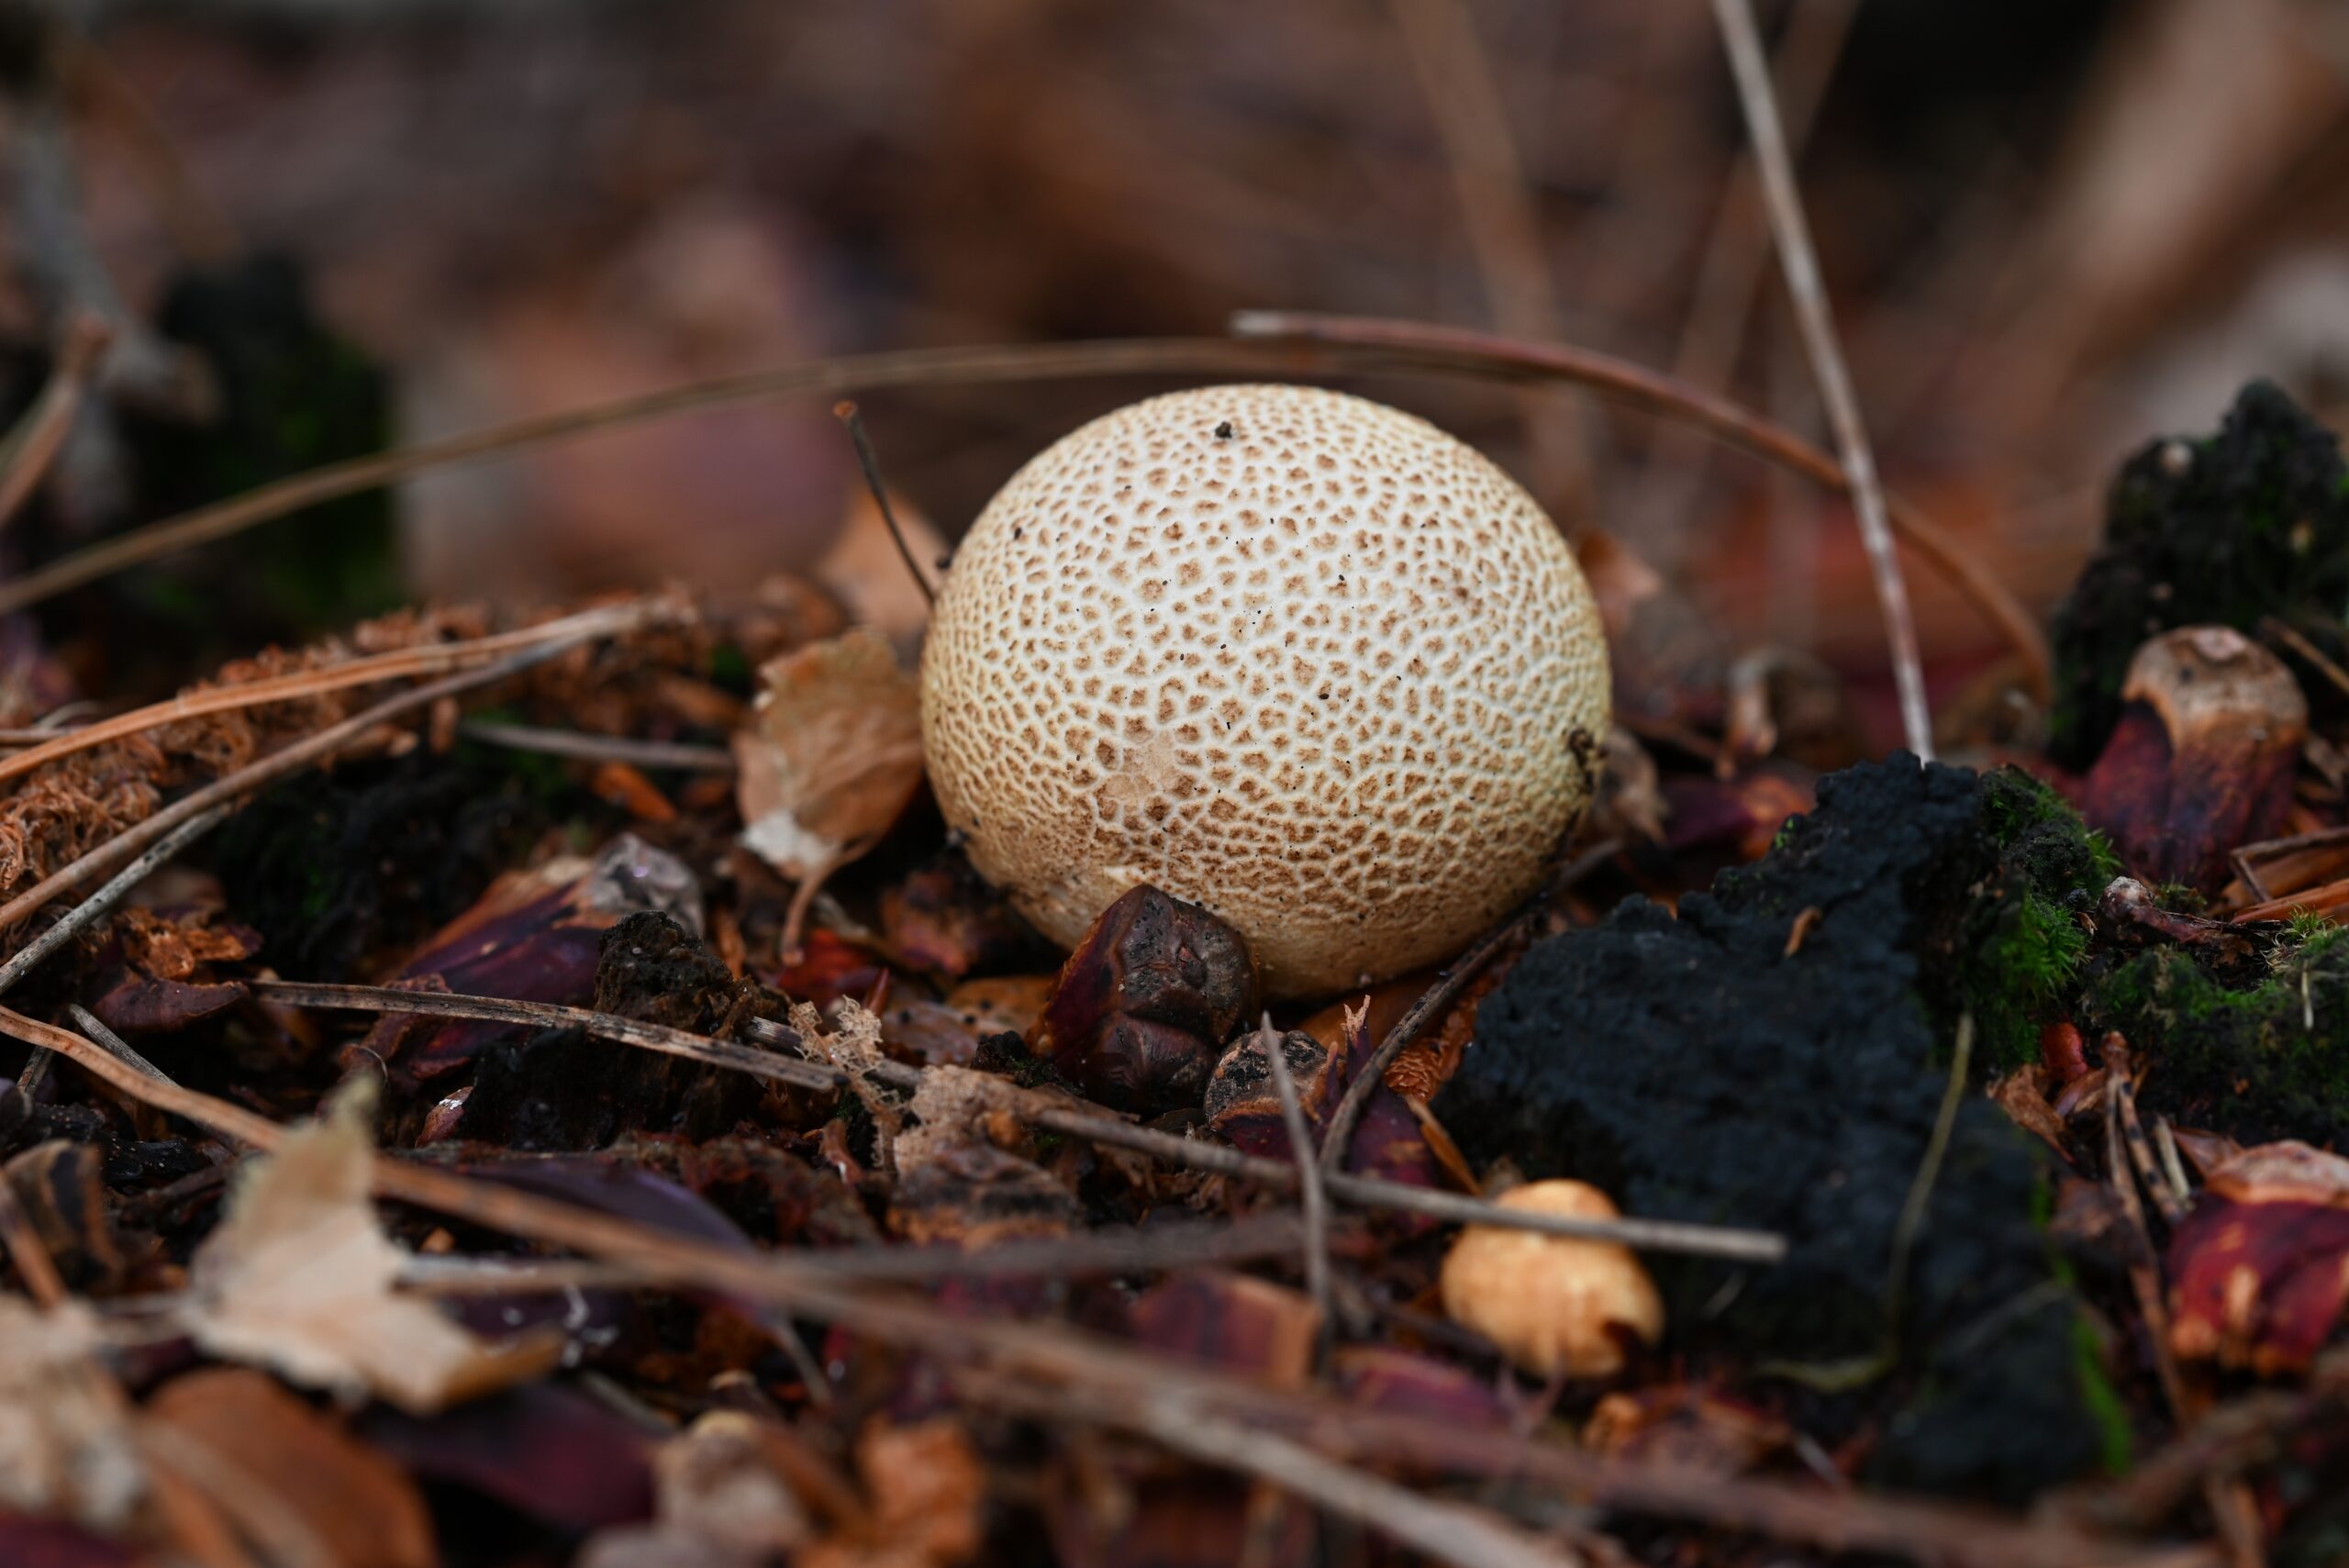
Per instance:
{"type": "Point", "coordinates": [288, 1474]}
{"type": "Point", "coordinates": [299, 1277]}
{"type": "Point", "coordinates": [64, 1446]}
{"type": "Point", "coordinates": [865, 571]}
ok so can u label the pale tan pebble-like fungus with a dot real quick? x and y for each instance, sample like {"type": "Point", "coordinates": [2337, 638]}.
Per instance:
{"type": "Point", "coordinates": [1294, 656]}
{"type": "Point", "coordinates": [1555, 1306]}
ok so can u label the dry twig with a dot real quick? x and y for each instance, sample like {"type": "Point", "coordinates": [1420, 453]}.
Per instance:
{"type": "Point", "coordinates": [1810, 295]}
{"type": "Point", "coordinates": [1311, 1198]}
{"type": "Point", "coordinates": [1040, 1110]}
{"type": "Point", "coordinates": [1450, 1532]}
{"type": "Point", "coordinates": [429, 659]}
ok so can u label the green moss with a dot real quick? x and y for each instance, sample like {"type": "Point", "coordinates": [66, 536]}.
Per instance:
{"type": "Point", "coordinates": [2025, 942]}
{"type": "Point", "coordinates": [2303, 926]}
{"type": "Point", "coordinates": [2257, 1061]}
{"type": "Point", "coordinates": [730, 669]}
{"type": "Point", "coordinates": [2027, 968]}
{"type": "Point", "coordinates": [2105, 1406]}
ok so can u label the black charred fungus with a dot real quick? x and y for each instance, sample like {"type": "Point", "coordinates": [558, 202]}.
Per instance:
{"type": "Point", "coordinates": [2226, 529]}
{"type": "Point", "coordinates": [652, 970]}
{"type": "Point", "coordinates": [371, 859]}
{"type": "Point", "coordinates": [1695, 1070]}
{"type": "Point", "coordinates": [563, 1090]}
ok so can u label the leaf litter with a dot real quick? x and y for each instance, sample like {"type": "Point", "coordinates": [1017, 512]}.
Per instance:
{"type": "Point", "coordinates": [872, 1072]}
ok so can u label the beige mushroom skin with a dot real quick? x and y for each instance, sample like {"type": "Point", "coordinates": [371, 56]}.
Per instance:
{"type": "Point", "coordinates": [1292, 655]}
{"type": "Point", "coordinates": [1553, 1304]}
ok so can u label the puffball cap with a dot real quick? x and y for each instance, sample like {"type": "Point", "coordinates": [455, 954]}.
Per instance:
{"type": "Point", "coordinates": [1292, 655]}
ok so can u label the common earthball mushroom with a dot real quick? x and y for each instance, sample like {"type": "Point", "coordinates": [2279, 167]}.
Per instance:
{"type": "Point", "coordinates": [1291, 655]}
{"type": "Point", "coordinates": [1553, 1304]}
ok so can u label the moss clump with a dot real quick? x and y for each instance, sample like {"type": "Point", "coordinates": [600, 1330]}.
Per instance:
{"type": "Point", "coordinates": [2259, 1061]}
{"type": "Point", "coordinates": [2024, 941]}
{"type": "Point", "coordinates": [2249, 523]}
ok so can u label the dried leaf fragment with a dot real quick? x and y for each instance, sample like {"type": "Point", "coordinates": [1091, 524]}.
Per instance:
{"type": "Point", "coordinates": [831, 755]}
{"type": "Point", "coordinates": [928, 1494]}
{"type": "Point", "coordinates": [289, 1473]}
{"type": "Point", "coordinates": [2259, 1270]}
{"type": "Point", "coordinates": [298, 1278]}
{"type": "Point", "coordinates": [724, 1500]}
{"type": "Point", "coordinates": [64, 1446]}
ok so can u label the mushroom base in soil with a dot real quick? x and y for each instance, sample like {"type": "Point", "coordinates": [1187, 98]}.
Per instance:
{"type": "Point", "coordinates": [1291, 655]}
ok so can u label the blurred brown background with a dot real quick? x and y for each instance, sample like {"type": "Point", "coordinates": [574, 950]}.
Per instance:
{"type": "Point", "coordinates": [2050, 230]}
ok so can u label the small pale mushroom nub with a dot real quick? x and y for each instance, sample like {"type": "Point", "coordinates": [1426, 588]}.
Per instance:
{"type": "Point", "coordinates": [1555, 1306]}
{"type": "Point", "coordinates": [1294, 656]}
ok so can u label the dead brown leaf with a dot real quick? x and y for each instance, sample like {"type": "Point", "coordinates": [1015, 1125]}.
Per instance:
{"type": "Point", "coordinates": [295, 1475]}
{"type": "Point", "coordinates": [64, 1446]}
{"type": "Point", "coordinates": [298, 1278]}
{"type": "Point", "coordinates": [865, 571]}
{"type": "Point", "coordinates": [830, 757]}
{"type": "Point", "coordinates": [928, 1492]}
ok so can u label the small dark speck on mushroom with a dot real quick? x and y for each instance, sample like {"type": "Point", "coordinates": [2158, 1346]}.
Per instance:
{"type": "Point", "coordinates": [1015, 531]}
{"type": "Point", "coordinates": [1223, 431]}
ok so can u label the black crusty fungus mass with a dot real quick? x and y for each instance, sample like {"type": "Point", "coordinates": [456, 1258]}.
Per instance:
{"type": "Point", "coordinates": [2226, 529]}
{"type": "Point", "coordinates": [560, 1089]}
{"type": "Point", "coordinates": [366, 861]}
{"type": "Point", "coordinates": [1695, 1070]}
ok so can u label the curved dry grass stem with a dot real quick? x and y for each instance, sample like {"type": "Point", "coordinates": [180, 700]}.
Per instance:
{"type": "Point", "coordinates": [429, 660]}
{"type": "Point", "coordinates": [1265, 343]}
{"type": "Point", "coordinates": [1447, 986]}
{"type": "Point", "coordinates": [1752, 71]}
{"type": "Point", "coordinates": [1462, 352]}
{"type": "Point", "coordinates": [832, 378]}
{"type": "Point", "coordinates": [39, 436]}
{"type": "Point", "coordinates": [1504, 229]}
{"type": "Point", "coordinates": [869, 462]}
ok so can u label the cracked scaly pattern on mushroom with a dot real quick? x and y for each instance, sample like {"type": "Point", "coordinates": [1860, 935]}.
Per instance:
{"type": "Point", "coordinates": [1295, 656]}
